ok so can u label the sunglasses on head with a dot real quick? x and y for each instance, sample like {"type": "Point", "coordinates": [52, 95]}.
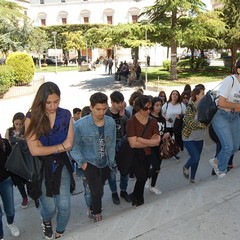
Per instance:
{"type": "Point", "coordinates": [147, 109]}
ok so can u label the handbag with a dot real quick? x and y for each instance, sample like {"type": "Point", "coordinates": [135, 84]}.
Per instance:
{"type": "Point", "coordinates": [168, 148]}
{"type": "Point", "coordinates": [21, 163]}
{"type": "Point", "coordinates": [126, 155]}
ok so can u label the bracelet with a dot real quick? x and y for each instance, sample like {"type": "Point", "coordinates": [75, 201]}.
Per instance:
{"type": "Point", "coordinates": [63, 147]}
{"type": "Point", "coordinates": [56, 149]}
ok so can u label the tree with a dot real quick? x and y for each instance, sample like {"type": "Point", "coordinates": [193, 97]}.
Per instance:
{"type": "Point", "coordinates": [75, 40]}
{"type": "Point", "coordinates": [201, 32]}
{"type": "Point", "coordinates": [38, 42]}
{"type": "Point", "coordinates": [167, 14]}
{"type": "Point", "coordinates": [232, 19]}
{"type": "Point", "coordinates": [14, 27]}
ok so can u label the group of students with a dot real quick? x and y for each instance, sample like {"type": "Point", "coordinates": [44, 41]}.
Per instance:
{"type": "Point", "coordinates": [93, 142]}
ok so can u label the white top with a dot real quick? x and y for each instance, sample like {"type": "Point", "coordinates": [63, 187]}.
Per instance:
{"type": "Point", "coordinates": [170, 110]}
{"type": "Point", "coordinates": [230, 89]}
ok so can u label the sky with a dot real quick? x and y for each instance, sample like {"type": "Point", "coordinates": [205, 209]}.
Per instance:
{"type": "Point", "coordinates": [208, 4]}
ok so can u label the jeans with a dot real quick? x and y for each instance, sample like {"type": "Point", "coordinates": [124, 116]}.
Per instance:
{"type": "Point", "coordinates": [6, 192]}
{"type": "Point", "coordinates": [58, 203]}
{"type": "Point", "coordinates": [155, 162]}
{"type": "Point", "coordinates": [113, 184]}
{"type": "Point", "coordinates": [194, 149]}
{"type": "Point", "coordinates": [227, 127]}
{"type": "Point", "coordinates": [141, 170]}
{"type": "Point", "coordinates": [96, 178]}
{"type": "Point", "coordinates": [87, 193]}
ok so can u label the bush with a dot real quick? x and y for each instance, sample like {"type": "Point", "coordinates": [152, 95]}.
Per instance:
{"type": "Point", "coordinates": [183, 63]}
{"type": "Point", "coordinates": [166, 65]}
{"type": "Point", "coordinates": [23, 66]}
{"type": "Point", "coordinates": [6, 78]}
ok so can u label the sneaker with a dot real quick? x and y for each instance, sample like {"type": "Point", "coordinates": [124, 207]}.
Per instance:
{"type": "Point", "coordinates": [115, 198]}
{"type": "Point", "coordinates": [131, 176]}
{"type": "Point", "coordinates": [96, 217]}
{"type": "Point", "coordinates": [214, 165]}
{"type": "Point", "coordinates": [125, 195]}
{"type": "Point", "coordinates": [192, 181]}
{"type": "Point", "coordinates": [24, 203]}
{"type": "Point", "coordinates": [58, 235]}
{"type": "Point", "coordinates": [47, 230]}
{"type": "Point", "coordinates": [147, 184]}
{"type": "Point", "coordinates": [14, 230]}
{"type": "Point", "coordinates": [221, 175]}
{"type": "Point", "coordinates": [186, 172]}
{"type": "Point", "coordinates": [155, 190]}
{"type": "Point", "coordinates": [90, 214]}
{"type": "Point", "coordinates": [177, 158]}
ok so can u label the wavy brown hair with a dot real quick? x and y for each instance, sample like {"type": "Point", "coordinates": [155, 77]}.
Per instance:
{"type": "Point", "coordinates": [40, 123]}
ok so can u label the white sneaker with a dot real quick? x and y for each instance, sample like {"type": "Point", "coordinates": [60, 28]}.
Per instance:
{"type": "Point", "coordinates": [155, 190]}
{"type": "Point", "coordinates": [14, 229]}
{"type": "Point", "coordinates": [147, 184]}
{"type": "Point", "coordinates": [214, 166]}
{"type": "Point", "coordinates": [221, 175]}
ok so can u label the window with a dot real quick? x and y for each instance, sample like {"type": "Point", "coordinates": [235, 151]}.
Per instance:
{"type": "Point", "coordinates": [43, 22]}
{"type": "Point", "coordinates": [41, 1]}
{"type": "Point", "coordinates": [109, 20]}
{"type": "Point", "coordinates": [63, 1]}
{"type": "Point", "coordinates": [86, 19]}
{"type": "Point", "coordinates": [64, 20]}
{"type": "Point", "coordinates": [134, 18]}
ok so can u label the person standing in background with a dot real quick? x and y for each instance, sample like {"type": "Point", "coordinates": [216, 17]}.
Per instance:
{"type": "Point", "coordinates": [49, 134]}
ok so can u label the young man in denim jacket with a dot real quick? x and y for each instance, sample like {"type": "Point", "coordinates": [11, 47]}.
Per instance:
{"type": "Point", "coordinates": [94, 149]}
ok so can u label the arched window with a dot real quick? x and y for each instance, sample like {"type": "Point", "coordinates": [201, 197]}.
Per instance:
{"type": "Point", "coordinates": [133, 14]}
{"type": "Point", "coordinates": [85, 16]}
{"type": "Point", "coordinates": [108, 15]}
{"type": "Point", "coordinates": [42, 19]}
{"type": "Point", "coordinates": [63, 16]}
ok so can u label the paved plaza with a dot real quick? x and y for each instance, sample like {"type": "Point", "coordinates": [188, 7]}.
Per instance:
{"type": "Point", "coordinates": [208, 209]}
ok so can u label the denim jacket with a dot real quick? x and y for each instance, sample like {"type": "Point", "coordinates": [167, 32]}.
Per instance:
{"type": "Point", "coordinates": [86, 141]}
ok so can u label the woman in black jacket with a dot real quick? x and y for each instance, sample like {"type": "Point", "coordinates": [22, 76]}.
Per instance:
{"type": "Point", "coordinates": [6, 190]}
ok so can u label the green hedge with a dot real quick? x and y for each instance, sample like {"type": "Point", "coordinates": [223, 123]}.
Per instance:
{"type": "Point", "coordinates": [6, 78]}
{"type": "Point", "coordinates": [23, 66]}
{"type": "Point", "coordinates": [166, 65]}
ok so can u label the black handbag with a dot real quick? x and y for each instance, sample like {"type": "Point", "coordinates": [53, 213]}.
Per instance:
{"type": "Point", "coordinates": [21, 163]}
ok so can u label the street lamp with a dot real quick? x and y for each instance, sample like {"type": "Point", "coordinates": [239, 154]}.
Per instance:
{"type": "Point", "coordinates": [55, 47]}
{"type": "Point", "coordinates": [146, 76]}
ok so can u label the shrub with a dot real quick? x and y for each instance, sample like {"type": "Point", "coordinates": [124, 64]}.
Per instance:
{"type": "Point", "coordinates": [166, 64]}
{"type": "Point", "coordinates": [183, 63]}
{"type": "Point", "coordinates": [6, 78]}
{"type": "Point", "coordinates": [23, 66]}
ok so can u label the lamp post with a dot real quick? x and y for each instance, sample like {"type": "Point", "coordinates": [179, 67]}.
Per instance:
{"type": "Point", "coordinates": [146, 76]}
{"type": "Point", "coordinates": [55, 47]}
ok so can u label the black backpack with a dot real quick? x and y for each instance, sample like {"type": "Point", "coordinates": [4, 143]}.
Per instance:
{"type": "Point", "coordinates": [207, 107]}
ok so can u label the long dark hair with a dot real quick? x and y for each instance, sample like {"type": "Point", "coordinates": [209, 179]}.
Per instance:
{"type": "Point", "coordinates": [179, 96]}
{"type": "Point", "coordinates": [40, 123]}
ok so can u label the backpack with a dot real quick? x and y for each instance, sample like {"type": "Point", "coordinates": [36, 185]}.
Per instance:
{"type": "Point", "coordinates": [207, 107]}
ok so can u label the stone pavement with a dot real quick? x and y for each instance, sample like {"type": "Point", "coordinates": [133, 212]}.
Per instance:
{"type": "Point", "coordinates": [208, 209]}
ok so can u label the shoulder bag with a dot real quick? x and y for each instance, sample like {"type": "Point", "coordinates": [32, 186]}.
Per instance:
{"type": "Point", "coordinates": [21, 163]}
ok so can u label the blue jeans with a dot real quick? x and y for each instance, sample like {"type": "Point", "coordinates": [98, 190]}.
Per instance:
{"type": "Point", "coordinates": [227, 127]}
{"type": "Point", "coordinates": [194, 149]}
{"type": "Point", "coordinates": [6, 192]}
{"type": "Point", "coordinates": [59, 203]}
{"type": "Point", "coordinates": [113, 183]}
{"type": "Point", "coordinates": [87, 193]}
